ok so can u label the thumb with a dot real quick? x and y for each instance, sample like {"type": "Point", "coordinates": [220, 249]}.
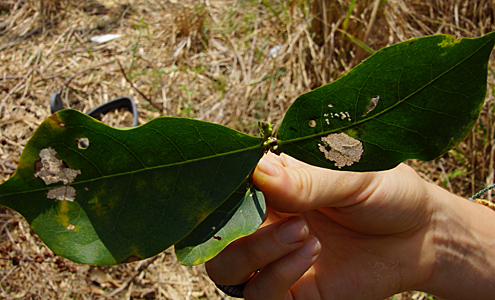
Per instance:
{"type": "Point", "coordinates": [292, 186]}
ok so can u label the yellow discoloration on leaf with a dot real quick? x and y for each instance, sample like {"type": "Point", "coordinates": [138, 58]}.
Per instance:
{"type": "Point", "coordinates": [101, 203]}
{"type": "Point", "coordinates": [62, 213]}
{"type": "Point", "coordinates": [93, 201]}
{"type": "Point", "coordinates": [448, 41]}
{"type": "Point", "coordinates": [54, 122]}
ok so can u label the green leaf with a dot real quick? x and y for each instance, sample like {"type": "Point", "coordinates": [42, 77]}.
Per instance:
{"type": "Point", "coordinates": [101, 195]}
{"type": "Point", "coordinates": [415, 99]}
{"type": "Point", "coordinates": [239, 219]}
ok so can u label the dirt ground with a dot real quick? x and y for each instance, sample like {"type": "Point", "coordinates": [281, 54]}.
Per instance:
{"type": "Point", "coordinates": [233, 62]}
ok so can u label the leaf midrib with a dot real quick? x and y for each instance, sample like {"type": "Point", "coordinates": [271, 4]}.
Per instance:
{"type": "Point", "coordinates": [102, 177]}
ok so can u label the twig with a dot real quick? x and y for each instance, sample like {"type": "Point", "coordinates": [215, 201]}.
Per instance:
{"type": "Point", "coordinates": [15, 89]}
{"type": "Point", "coordinates": [447, 180]}
{"type": "Point", "coordinates": [132, 276]}
{"type": "Point", "coordinates": [239, 58]}
{"type": "Point", "coordinates": [374, 13]}
{"type": "Point", "coordinates": [27, 35]}
{"type": "Point", "coordinates": [135, 88]}
{"type": "Point", "coordinates": [69, 79]}
{"type": "Point", "coordinates": [13, 42]}
{"type": "Point", "coordinates": [11, 77]}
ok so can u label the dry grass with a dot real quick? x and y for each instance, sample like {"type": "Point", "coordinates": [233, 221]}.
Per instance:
{"type": "Point", "coordinates": [203, 59]}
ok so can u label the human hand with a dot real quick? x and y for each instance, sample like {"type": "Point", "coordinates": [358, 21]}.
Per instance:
{"type": "Point", "coordinates": [333, 234]}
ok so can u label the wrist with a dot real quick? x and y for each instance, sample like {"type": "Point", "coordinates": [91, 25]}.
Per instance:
{"type": "Point", "coordinates": [462, 239]}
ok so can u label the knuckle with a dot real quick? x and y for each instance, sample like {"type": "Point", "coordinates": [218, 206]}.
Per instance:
{"type": "Point", "coordinates": [253, 253]}
{"type": "Point", "coordinates": [276, 276]}
{"type": "Point", "coordinates": [304, 185]}
{"type": "Point", "coordinates": [213, 271]}
{"type": "Point", "coordinates": [273, 283]}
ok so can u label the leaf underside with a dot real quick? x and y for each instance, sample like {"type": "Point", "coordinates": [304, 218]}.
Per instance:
{"type": "Point", "coordinates": [106, 196]}
{"type": "Point", "coordinates": [241, 219]}
{"type": "Point", "coordinates": [415, 99]}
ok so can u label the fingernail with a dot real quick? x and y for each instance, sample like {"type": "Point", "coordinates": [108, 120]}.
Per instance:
{"type": "Point", "coordinates": [293, 231]}
{"type": "Point", "coordinates": [267, 167]}
{"type": "Point", "coordinates": [310, 249]}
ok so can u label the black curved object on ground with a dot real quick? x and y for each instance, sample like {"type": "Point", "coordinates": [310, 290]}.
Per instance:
{"type": "Point", "coordinates": [122, 102]}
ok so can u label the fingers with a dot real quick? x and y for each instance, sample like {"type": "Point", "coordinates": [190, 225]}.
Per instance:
{"type": "Point", "coordinates": [283, 251]}
{"type": "Point", "coordinates": [275, 280]}
{"type": "Point", "coordinates": [358, 199]}
{"type": "Point", "coordinates": [244, 256]}
{"type": "Point", "coordinates": [292, 186]}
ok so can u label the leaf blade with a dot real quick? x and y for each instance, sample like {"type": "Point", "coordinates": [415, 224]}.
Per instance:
{"type": "Point", "coordinates": [418, 83]}
{"type": "Point", "coordinates": [239, 219]}
{"type": "Point", "coordinates": [138, 190]}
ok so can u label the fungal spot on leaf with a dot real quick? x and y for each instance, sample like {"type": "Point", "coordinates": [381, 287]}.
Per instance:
{"type": "Point", "coordinates": [447, 41]}
{"type": "Point", "coordinates": [51, 169]}
{"type": "Point", "coordinates": [61, 124]}
{"type": "Point", "coordinates": [132, 258]}
{"type": "Point", "coordinates": [38, 165]}
{"type": "Point", "coordinates": [62, 193]}
{"type": "Point", "coordinates": [71, 227]}
{"type": "Point", "coordinates": [341, 148]}
{"type": "Point", "coordinates": [312, 123]}
{"type": "Point", "coordinates": [372, 105]}
{"type": "Point", "coordinates": [82, 143]}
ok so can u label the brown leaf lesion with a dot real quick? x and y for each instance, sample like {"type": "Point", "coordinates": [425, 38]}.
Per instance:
{"type": "Point", "coordinates": [52, 170]}
{"type": "Point", "coordinates": [341, 148]}
{"type": "Point", "coordinates": [372, 105]}
{"type": "Point", "coordinates": [62, 193]}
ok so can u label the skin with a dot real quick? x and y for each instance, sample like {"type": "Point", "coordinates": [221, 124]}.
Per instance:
{"type": "Point", "coordinates": [343, 235]}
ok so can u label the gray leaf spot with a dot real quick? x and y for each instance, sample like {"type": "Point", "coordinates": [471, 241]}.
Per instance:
{"type": "Point", "coordinates": [51, 169]}
{"type": "Point", "coordinates": [62, 193]}
{"type": "Point", "coordinates": [343, 149]}
{"type": "Point", "coordinates": [372, 105]}
{"type": "Point", "coordinates": [312, 123]}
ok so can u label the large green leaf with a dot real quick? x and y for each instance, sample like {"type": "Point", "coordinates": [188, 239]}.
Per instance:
{"type": "Point", "coordinates": [415, 99]}
{"type": "Point", "coordinates": [240, 219]}
{"type": "Point", "coordinates": [101, 195]}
